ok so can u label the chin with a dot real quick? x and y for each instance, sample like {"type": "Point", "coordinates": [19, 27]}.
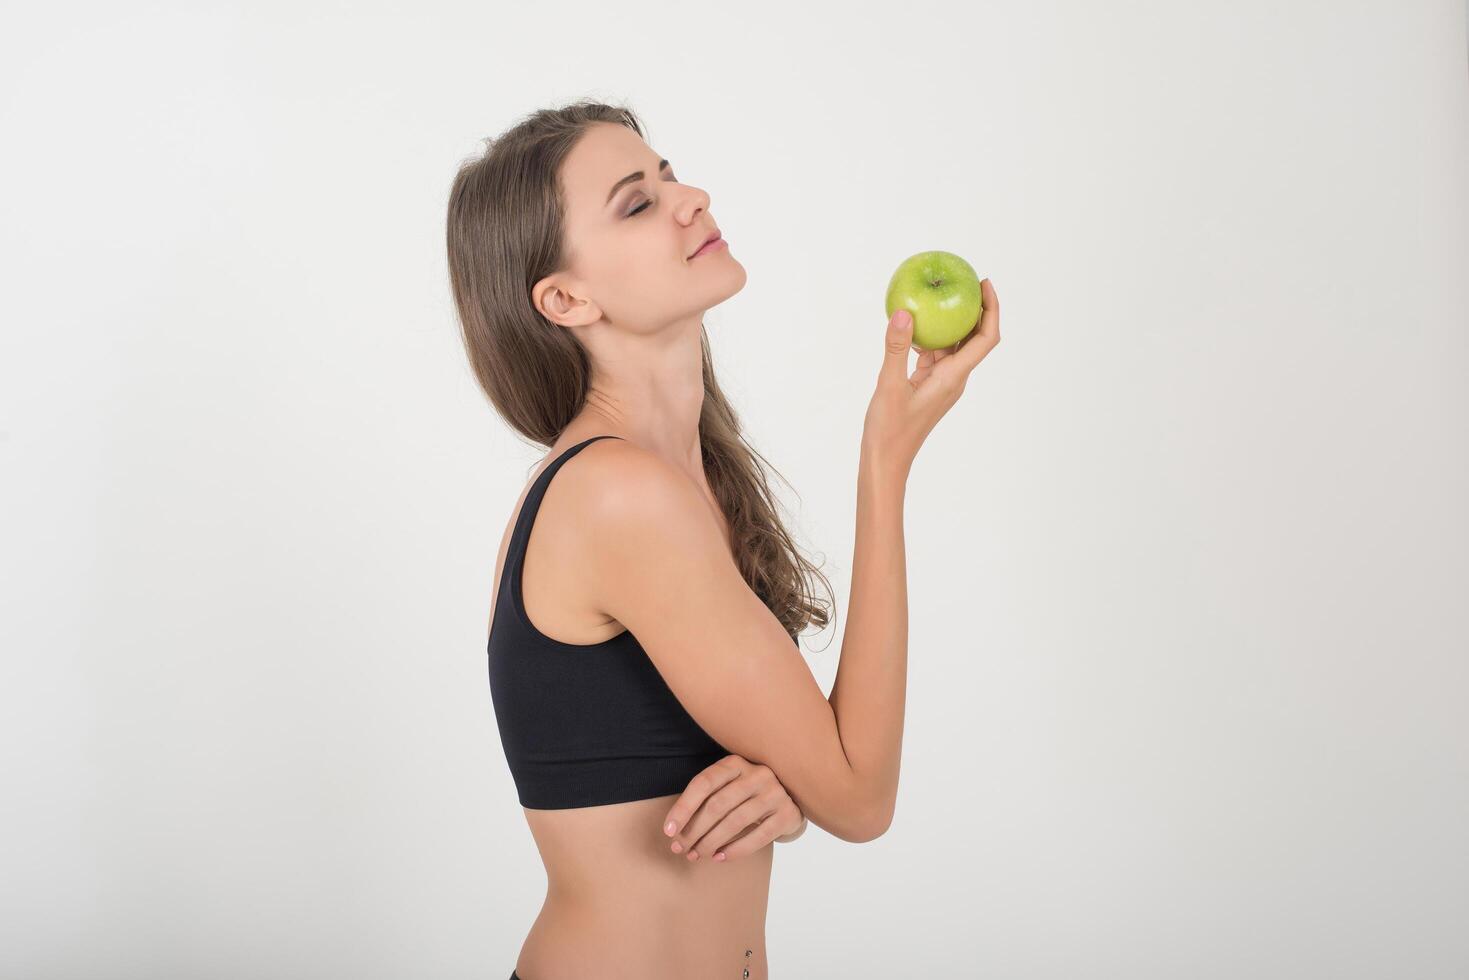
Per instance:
{"type": "Point", "coordinates": [735, 279]}
{"type": "Point", "coordinates": [718, 287]}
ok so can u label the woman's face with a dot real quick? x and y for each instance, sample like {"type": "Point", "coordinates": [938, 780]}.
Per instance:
{"type": "Point", "coordinates": [629, 241]}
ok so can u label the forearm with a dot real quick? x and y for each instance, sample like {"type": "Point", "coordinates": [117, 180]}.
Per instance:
{"type": "Point", "coordinates": [868, 695]}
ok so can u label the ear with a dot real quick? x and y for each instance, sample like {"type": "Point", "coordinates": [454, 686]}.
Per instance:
{"type": "Point", "coordinates": [556, 298]}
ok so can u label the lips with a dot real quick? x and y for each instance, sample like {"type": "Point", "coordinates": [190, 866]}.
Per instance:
{"type": "Point", "coordinates": [714, 236]}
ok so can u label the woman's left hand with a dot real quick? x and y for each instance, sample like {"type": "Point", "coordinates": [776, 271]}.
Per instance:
{"type": "Point", "coordinates": [733, 808]}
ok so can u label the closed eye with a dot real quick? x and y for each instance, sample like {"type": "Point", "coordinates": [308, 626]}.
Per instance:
{"type": "Point", "coordinates": [647, 204]}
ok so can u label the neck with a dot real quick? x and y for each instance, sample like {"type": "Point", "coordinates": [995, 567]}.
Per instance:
{"type": "Point", "coordinates": [649, 388]}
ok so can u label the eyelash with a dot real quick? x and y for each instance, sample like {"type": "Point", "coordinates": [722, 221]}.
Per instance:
{"type": "Point", "coordinates": [647, 204]}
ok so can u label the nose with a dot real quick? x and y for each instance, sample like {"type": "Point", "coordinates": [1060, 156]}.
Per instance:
{"type": "Point", "coordinates": [696, 201]}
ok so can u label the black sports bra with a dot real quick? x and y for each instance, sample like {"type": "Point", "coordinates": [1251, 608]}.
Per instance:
{"type": "Point", "coordinates": [583, 724]}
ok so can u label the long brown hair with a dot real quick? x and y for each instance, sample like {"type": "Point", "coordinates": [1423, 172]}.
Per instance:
{"type": "Point", "coordinates": [504, 235]}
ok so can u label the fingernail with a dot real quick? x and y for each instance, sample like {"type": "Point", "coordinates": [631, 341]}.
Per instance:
{"type": "Point", "coordinates": [693, 855]}
{"type": "Point", "coordinates": [719, 856]}
{"type": "Point", "coordinates": [669, 828]}
{"type": "Point", "coordinates": [677, 847]}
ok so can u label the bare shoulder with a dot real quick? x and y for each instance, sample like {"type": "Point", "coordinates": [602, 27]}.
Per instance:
{"type": "Point", "coordinates": [622, 488]}
{"type": "Point", "coordinates": [649, 535]}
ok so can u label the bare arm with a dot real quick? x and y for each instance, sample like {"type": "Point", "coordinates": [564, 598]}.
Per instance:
{"type": "Point", "coordinates": [662, 568]}
{"type": "Point", "coordinates": [870, 691]}
{"type": "Point", "coordinates": [872, 678]}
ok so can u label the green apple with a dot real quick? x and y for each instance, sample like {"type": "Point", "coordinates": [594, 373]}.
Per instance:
{"type": "Point", "coordinates": [941, 292]}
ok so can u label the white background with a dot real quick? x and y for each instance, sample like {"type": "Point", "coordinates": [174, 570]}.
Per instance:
{"type": "Point", "coordinates": [1187, 563]}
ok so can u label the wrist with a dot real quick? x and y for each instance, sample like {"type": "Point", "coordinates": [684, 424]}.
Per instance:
{"type": "Point", "coordinates": [882, 471]}
{"type": "Point", "coordinates": [787, 838]}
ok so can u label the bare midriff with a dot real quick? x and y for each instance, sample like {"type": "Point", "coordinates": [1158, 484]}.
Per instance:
{"type": "Point", "coordinates": [620, 905]}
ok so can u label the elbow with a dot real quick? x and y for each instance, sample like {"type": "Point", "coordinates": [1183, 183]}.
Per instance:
{"type": "Point", "coordinates": [874, 823]}
{"type": "Point", "coordinates": [859, 811]}
{"type": "Point", "coordinates": [879, 827]}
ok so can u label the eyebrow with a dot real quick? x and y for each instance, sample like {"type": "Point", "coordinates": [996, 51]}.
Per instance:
{"type": "Point", "coordinates": [637, 175]}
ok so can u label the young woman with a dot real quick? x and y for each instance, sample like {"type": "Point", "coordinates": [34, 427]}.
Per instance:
{"type": "Point", "coordinates": [659, 722]}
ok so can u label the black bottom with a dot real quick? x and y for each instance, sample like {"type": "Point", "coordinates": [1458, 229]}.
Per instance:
{"type": "Point", "coordinates": [513, 974]}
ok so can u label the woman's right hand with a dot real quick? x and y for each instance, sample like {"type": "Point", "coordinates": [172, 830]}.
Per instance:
{"type": "Point", "coordinates": [905, 408]}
